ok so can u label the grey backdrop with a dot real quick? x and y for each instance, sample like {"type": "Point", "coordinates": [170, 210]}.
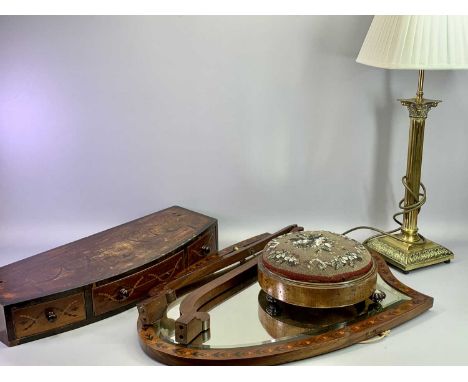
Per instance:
{"type": "Point", "coordinates": [258, 121]}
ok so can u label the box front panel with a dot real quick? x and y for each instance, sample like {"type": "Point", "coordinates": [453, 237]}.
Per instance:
{"type": "Point", "coordinates": [45, 316]}
{"type": "Point", "coordinates": [133, 288]}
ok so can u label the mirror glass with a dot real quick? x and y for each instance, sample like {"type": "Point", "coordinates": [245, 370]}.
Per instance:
{"type": "Point", "coordinates": [248, 318]}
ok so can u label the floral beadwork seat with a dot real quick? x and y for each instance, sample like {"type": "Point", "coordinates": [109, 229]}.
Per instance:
{"type": "Point", "coordinates": [316, 257]}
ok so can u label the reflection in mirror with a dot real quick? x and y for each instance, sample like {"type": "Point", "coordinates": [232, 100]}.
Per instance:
{"type": "Point", "coordinates": [247, 318]}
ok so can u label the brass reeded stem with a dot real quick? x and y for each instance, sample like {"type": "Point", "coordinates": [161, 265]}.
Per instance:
{"type": "Point", "coordinates": [413, 167]}
{"type": "Point", "coordinates": [420, 92]}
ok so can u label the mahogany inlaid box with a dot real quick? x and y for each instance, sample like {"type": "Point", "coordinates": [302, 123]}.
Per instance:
{"type": "Point", "coordinates": [100, 275]}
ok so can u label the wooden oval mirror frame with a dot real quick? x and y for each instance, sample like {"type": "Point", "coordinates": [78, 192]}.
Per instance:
{"type": "Point", "coordinates": [195, 319]}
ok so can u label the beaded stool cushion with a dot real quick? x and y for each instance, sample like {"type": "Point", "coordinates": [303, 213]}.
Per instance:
{"type": "Point", "coordinates": [316, 257]}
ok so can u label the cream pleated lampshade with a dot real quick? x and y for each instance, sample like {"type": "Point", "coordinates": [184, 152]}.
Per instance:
{"type": "Point", "coordinates": [416, 42]}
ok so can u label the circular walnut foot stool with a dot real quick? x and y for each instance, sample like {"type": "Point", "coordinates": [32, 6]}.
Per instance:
{"type": "Point", "coordinates": [317, 269]}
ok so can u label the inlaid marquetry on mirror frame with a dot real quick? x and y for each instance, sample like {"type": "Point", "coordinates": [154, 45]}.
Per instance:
{"type": "Point", "coordinates": [196, 306]}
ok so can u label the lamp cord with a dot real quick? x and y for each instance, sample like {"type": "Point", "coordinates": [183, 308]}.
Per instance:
{"type": "Point", "coordinates": [421, 197]}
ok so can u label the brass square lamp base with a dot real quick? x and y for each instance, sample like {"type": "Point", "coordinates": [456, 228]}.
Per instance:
{"type": "Point", "coordinates": [409, 256]}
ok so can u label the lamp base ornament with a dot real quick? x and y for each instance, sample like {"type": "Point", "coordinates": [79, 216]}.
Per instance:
{"type": "Point", "coordinates": [408, 257]}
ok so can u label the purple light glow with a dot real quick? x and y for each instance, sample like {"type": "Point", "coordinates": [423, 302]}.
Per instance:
{"type": "Point", "coordinates": [28, 106]}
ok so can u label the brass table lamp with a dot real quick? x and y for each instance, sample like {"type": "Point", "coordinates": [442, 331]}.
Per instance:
{"type": "Point", "coordinates": [414, 42]}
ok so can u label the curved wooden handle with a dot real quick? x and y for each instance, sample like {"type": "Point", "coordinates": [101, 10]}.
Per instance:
{"type": "Point", "coordinates": [191, 322]}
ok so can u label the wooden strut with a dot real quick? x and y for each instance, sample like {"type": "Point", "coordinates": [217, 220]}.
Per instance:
{"type": "Point", "coordinates": [153, 308]}
{"type": "Point", "coordinates": [193, 320]}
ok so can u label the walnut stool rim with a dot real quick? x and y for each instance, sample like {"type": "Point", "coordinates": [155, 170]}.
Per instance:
{"type": "Point", "coordinates": [318, 295]}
